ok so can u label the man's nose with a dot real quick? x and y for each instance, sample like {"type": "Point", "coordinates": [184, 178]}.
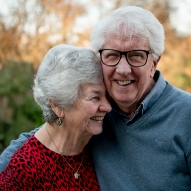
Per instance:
{"type": "Point", "coordinates": [123, 67]}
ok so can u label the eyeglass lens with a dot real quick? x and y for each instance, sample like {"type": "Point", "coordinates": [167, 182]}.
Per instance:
{"type": "Point", "coordinates": [134, 57]}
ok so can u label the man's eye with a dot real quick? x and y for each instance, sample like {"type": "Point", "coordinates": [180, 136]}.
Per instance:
{"type": "Point", "coordinates": [136, 55]}
{"type": "Point", "coordinates": [111, 55]}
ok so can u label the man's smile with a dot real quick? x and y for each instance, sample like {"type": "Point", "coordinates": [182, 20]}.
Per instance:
{"type": "Point", "coordinates": [124, 82]}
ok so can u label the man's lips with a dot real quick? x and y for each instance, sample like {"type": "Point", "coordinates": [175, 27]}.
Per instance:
{"type": "Point", "coordinates": [123, 82]}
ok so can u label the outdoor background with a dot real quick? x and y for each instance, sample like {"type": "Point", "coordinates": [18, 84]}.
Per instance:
{"type": "Point", "coordinates": [28, 29]}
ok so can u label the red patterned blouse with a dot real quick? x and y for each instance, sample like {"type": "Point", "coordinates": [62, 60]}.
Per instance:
{"type": "Point", "coordinates": [35, 167]}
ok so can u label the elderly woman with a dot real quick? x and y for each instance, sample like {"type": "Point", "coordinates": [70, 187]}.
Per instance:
{"type": "Point", "coordinates": [69, 88]}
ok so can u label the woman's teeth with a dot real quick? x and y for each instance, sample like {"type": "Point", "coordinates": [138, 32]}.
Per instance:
{"type": "Point", "coordinates": [97, 118]}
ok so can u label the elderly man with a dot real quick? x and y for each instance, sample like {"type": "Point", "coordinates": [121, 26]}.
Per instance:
{"type": "Point", "coordinates": [146, 141]}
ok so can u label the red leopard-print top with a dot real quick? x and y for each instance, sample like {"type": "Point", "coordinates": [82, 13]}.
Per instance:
{"type": "Point", "coordinates": [35, 167]}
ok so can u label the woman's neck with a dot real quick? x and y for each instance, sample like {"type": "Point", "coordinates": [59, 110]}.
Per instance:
{"type": "Point", "coordinates": [65, 141]}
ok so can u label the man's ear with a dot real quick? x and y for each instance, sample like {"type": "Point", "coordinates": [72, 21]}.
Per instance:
{"type": "Point", "coordinates": [58, 111]}
{"type": "Point", "coordinates": [154, 67]}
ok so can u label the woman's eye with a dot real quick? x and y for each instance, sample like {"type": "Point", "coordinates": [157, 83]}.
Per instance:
{"type": "Point", "coordinates": [95, 98]}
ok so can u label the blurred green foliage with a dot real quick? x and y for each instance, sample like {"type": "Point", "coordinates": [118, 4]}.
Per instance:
{"type": "Point", "coordinates": [19, 112]}
{"type": "Point", "coordinates": [183, 80]}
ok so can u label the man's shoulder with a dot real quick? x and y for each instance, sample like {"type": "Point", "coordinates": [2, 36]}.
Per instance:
{"type": "Point", "coordinates": [14, 145]}
{"type": "Point", "coordinates": [176, 99]}
{"type": "Point", "coordinates": [176, 92]}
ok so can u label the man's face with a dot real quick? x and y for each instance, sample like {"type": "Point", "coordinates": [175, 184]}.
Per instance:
{"type": "Point", "coordinates": [126, 84]}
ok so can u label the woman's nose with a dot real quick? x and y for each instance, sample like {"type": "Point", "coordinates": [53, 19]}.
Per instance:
{"type": "Point", "coordinates": [105, 106]}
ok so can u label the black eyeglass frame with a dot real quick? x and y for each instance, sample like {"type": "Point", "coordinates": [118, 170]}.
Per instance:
{"type": "Point", "coordinates": [125, 54]}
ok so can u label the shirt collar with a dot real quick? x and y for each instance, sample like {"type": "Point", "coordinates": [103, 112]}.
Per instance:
{"type": "Point", "coordinates": [155, 93]}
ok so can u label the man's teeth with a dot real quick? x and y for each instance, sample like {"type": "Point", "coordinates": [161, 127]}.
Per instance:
{"type": "Point", "coordinates": [124, 82]}
{"type": "Point", "coordinates": [97, 118]}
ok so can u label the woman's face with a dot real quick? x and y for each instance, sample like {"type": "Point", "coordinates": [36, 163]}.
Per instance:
{"type": "Point", "coordinates": [88, 113]}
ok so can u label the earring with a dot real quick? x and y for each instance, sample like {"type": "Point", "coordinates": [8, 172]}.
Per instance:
{"type": "Point", "coordinates": [59, 121]}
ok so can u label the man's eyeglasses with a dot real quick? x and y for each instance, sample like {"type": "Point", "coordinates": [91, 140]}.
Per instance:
{"type": "Point", "coordinates": [136, 58]}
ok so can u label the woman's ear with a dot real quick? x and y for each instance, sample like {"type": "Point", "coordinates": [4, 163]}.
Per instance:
{"type": "Point", "coordinates": [58, 111]}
